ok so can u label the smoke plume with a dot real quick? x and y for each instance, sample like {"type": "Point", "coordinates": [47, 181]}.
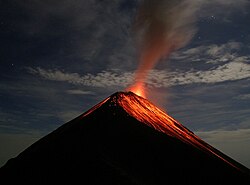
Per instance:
{"type": "Point", "coordinates": [162, 27]}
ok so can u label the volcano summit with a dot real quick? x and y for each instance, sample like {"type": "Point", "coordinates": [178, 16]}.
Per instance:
{"type": "Point", "coordinates": [123, 140]}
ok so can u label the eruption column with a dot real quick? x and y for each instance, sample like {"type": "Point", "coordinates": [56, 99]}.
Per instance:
{"type": "Point", "coordinates": [161, 27]}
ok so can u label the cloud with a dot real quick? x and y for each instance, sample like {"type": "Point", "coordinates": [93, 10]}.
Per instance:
{"type": "Point", "coordinates": [237, 69]}
{"type": "Point", "coordinates": [213, 64]}
{"type": "Point", "coordinates": [243, 97]}
{"type": "Point", "coordinates": [85, 32]}
{"type": "Point", "coordinates": [79, 92]}
{"type": "Point", "coordinates": [97, 33]}
{"type": "Point", "coordinates": [102, 79]}
{"type": "Point", "coordinates": [212, 53]}
{"type": "Point", "coordinates": [222, 135]}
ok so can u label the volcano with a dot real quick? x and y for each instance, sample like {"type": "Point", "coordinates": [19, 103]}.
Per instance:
{"type": "Point", "coordinates": [124, 140]}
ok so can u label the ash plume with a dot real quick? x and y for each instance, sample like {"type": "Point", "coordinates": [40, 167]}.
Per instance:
{"type": "Point", "coordinates": [162, 27]}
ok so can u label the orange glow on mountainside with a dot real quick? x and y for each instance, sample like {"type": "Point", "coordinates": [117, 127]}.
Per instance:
{"type": "Point", "coordinates": [146, 112]}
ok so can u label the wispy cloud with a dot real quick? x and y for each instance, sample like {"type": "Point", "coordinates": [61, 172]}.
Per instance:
{"type": "Point", "coordinates": [222, 135]}
{"type": "Point", "coordinates": [212, 53]}
{"type": "Point", "coordinates": [102, 79]}
{"type": "Point", "coordinates": [233, 67]}
{"type": "Point", "coordinates": [79, 92]}
{"type": "Point", "coordinates": [243, 97]}
{"type": "Point", "coordinates": [235, 70]}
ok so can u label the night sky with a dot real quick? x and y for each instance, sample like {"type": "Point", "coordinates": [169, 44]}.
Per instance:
{"type": "Point", "coordinates": [59, 58]}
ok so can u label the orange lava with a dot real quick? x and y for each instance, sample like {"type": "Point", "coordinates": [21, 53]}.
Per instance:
{"type": "Point", "coordinates": [95, 107]}
{"type": "Point", "coordinates": [147, 113]}
{"type": "Point", "coordinates": [144, 111]}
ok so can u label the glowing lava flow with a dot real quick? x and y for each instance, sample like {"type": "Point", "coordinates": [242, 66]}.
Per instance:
{"type": "Point", "coordinates": [145, 112]}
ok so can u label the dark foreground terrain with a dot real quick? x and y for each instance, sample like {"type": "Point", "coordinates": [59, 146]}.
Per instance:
{"type": "Point", "coordinates": [123, 140]}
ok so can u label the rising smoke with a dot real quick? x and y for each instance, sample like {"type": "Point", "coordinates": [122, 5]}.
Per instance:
{"type": "Point", "coordinates": [162, 27]}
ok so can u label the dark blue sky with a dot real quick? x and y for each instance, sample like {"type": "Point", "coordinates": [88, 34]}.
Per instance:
{"type": "Point", "coordinates": [59, 58]}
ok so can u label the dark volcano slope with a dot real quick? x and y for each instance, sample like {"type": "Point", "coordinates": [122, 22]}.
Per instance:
{"type": "Point", "coordinates": [106, 145]}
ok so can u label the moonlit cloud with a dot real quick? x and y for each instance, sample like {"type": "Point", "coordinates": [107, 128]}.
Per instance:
{"type": "Point", "coordinates": [237, 68]}
{"type": "Point", "coordinates": [79, 92]}
{"type": "Point", "coordinates": [102, 79]}
{"type": "Point", "coordinates": [222, 135]}
{"type": "Point", "coordinates": [228, 72]}
{"type": "Point", "coordinates": [212, 53]}
{"type": "Point", "coordinates": [243, 97]}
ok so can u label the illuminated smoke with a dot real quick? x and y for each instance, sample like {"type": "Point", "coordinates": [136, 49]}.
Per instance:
{"type": "Point", "coordinates": [162, 27]}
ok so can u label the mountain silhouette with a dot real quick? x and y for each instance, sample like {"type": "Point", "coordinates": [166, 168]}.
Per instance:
{"type": "Point", "coordinates": [123, 140]}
